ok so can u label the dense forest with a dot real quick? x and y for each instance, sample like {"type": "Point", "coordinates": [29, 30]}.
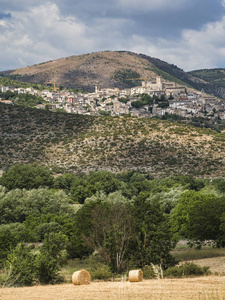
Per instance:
{"type": "Point", "coordinates": [128, 219]}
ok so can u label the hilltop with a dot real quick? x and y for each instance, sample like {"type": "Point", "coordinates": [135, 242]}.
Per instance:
{"type": "Point", "coordinates": [108, 69]}
{"type": "Point", "coordinates": [82, 143]}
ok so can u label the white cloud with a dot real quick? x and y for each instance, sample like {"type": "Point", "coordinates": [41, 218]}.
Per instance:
{"type": "Point", "coordinates": [152, 5]}
{"type": "Point", "coordinates": [193, 50]}
{"type": "Point", "coordinates": [40, 34]}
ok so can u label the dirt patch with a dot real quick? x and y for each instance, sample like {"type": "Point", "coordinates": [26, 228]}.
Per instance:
{"type": "Point", "coordinates": [211, 287]}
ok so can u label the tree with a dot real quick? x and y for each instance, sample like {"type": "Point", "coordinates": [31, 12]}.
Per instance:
{"type": "Point", "coordinates": [26, 176]}
{"type": "Point", "coordinates": [197, 216]}
{"type": "Point", "coordinates": [86, 186]}
{"type": "Point", "coordinates": [105, 225]}
{"type": "Point", "coordinates": [45, 228]}
{"type": "Point", "coordinates": [79, 193]}
{"type": "Point", "coordinates": [51, 258]}
{"type": "Point", "coordinates": [103, 181]}
{"type": "Point", "coordinates": [153, 239]}
{"type": "Point", "coordinates": [17, 205]}
{"type": "Point", "coordinates": [21, 263]}
{"type": "Point", "coordinates": [7, 242]}
{"type": "Point", "coordinates": [27, 267]}
{"type": "Point", "coordinates": [12, 207]}
{"type": "Point", "coordinates": [111, 230]}
{"type": "Point", "coordinates": [80, 227]}
{"type": "Point", "coordinates": [123, 231]}
{"type": "Point", "coordinates": [17, 230]}
{"type": "Point", "coordinates": [64, 181]}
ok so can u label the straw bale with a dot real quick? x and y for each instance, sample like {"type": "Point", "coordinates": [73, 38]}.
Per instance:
{"type": "Point", "coordinates": [81, 277]}
{"type": "Point", "coordinates": [135, 275]}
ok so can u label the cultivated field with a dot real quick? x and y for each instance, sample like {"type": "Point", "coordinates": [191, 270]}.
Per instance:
{"type": "Point", "coordinates": [210, 287]}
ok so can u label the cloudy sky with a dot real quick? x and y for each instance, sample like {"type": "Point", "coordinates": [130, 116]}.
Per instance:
{"type": "Point", "coordinates": [187, 33]}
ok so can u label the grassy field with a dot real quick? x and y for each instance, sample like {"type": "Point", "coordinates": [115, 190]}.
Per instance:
{"type": "Point", "coordinates": [201, 288]}
{"type": "Point", "coordinates": [184, 253]}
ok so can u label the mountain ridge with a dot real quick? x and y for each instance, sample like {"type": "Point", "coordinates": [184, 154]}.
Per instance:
{"type": "Point", "coordinates": [84, 71]}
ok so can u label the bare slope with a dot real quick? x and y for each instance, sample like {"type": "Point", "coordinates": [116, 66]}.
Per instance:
{"type": "Point", "coordinates": [84, 71]}
{"type": "Point", "coordinates": [83, 143]}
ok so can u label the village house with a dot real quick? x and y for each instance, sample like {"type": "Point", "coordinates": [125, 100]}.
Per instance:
{"type": "Point", "coordinates": [182, 100]}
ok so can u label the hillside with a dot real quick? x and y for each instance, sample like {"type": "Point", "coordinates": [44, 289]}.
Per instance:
{"type": "Point", "coordinates": [108, 69]}
{"type": "Point", "coordinates": [214, 80]}
{"type": "Point", "coordinates": [82, 143]}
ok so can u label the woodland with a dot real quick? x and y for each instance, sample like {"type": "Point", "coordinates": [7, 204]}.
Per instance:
{"type": "Point", "coordinates": [121, 221]}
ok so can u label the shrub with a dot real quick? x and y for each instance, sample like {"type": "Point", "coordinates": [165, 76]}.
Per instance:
{"type": "Point", "coordinates": [21, 266]}
{"type": "Point", "coordinates": [17, 230]}
{"type": "Point", "coordinates": [46, 228]}
{"type": "Point", "coordinates": [148, 272]}
{"type": "Point", "coordinates": [51, 258]}
{"type": "Point", "coordinates": [101, 272]}
{"type": "Point", "coordinates": [186, 270]}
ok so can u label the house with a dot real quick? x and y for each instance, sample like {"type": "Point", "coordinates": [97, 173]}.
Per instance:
{"type": "Point", "coordinates": [6, 101]}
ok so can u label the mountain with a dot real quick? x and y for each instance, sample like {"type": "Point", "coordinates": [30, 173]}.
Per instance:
{"type": "Point", "coordinates": [108, 69]}
{"type": "Point", "coordinates": [214, 80]}
{"type": "Point", "coordinates": [82, 143]}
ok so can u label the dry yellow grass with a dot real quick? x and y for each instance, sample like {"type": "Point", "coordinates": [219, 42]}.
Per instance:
{"type": "Point", "coordinates": [201, 288]}
{"type": "Point", "coordinates": [215, 264]}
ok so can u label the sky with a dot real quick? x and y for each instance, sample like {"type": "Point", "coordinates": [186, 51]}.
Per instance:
{"type": "Point", "coordinates": [187, 33]}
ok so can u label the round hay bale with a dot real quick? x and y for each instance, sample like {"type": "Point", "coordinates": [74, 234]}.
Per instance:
{"type": "Point", "coordinates": [135, 276]}
{"type": "Point", "coordinates": [81, 277]}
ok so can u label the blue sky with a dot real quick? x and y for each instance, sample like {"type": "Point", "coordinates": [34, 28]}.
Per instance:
{"type": "Point", "coordinates": [189, 34]}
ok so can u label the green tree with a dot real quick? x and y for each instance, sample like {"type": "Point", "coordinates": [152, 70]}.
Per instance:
{"type": "Point", "coordinates": [80, 227]}
{"type": "Point", "coordinates": [26, 176]}
{"type": "Point", "coordinates": [52, 257]}
{"type": "Point", "coordinates": [103, 181]}
{"type": "Point", "coordinates": [17, 230]}
{"type": "Point", "coordinates": [7, 243]}
{"type": "Point", "coordinates": [197, 216]}
{"type": "Point", "coordinates": [45, 228]}
{"type": "Point", "coordinates": [38, 226]}
{"type": "Point", "coordinates": [12, 207]}
{"type": "Point", "coordinates": [21, 266]}
{"type": "Point", "coordinates": [153, 240]}
{"type": "Point", "coordinates": [27, 267]}
{"type": "Point", "coordinates": [86, 186]}
{"type": "Point", "coordinates": [64, 181]}
{"type": "Point", "coordinates": [124, 76]}
{"type": "Point", "coordinates": [79, 193]}
{"type": "Point", "coordinates": [111, 229]}
{"type": "Point", "coordinates": [121, 230]}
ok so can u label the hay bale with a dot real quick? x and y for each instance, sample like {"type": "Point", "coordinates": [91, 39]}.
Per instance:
{"type": "Point", "coordinates": [81, 277]}
{"type": "Point", "coordinates": [135, 276]}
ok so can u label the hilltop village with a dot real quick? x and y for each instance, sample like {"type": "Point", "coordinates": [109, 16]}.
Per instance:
{"type": "Point", "coordinates": [154, 97]}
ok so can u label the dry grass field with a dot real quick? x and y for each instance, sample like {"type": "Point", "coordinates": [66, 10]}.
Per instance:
{"type": "Point", "coordinates": [210, 288]}
{"type": "Point", "coordinates": [195, 288]}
